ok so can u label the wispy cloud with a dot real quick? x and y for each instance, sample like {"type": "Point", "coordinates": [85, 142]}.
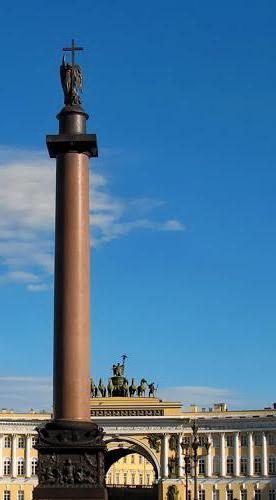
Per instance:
{"type": "Point", "coordinates": [24, 393]}
{"type": "Point", "coordinates": [203, 396]}
{"type": "Point", "coordinates": [27, 197]}
{"type": "Point", "coordinates": [21, 393]}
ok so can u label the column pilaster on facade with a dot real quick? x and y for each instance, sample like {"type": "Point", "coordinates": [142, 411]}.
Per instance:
{"type": "Point", "coordinates": [28, 455]}
{"type": "Point", "coordinates": [209, 468]}
{"type": "Point", "coordinates": [250, 454]}
{"type": "Point", "coordinates": [165, 456]}
{"type": "Point", "coordinates": [264, 454]}
{"type": "Point", "coordinates": [14, 458]}
{"type": "Point", "coordinates": [180, 456]}
{"type": "Point", "coordinates": [1, 454]}
{"type": "Point", "coordinates": [236, 454]}
{"type": "Point", "coordinates": [222, 455]}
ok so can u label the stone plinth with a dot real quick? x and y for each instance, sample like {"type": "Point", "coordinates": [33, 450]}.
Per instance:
{"type": "Point", "coordinates": [71, 462]}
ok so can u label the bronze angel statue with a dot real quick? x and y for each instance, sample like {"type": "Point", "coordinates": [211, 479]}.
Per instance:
{"type": "Point", "coordinates": [71, 81]}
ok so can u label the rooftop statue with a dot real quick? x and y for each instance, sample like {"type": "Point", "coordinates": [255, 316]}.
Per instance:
{"type": "Point", "coordinates": [118, 385]}
{"type": "Point", "coordinates": [71, 78]}
{"type": "Point", "coordinates": [118, 370]}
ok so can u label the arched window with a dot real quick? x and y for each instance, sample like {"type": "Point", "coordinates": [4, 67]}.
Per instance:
{"type": "Point", "coordinates": [257, 495]}
{"type": "Point", "coordinates": [34, 466]}
{"type": "Point", "coordinates": [230, 440]}
{"type": "Point", "coordinates": [7, 442]}
{"type": "Point", "coordinates": [7, 466]}
{"type": "Point", "coordinates": [230, 466]}
{"type": "Point", "coordinates": [257, 465]}
{"type": "Point", "coordinates": [272, 494]}
{"type": "Point", "coordinates": [272, 465]}
{"type": "Point", "coordinates": [20, 495]}
{"type": "Point", "coordinates": [243, 494]}
{"type": "Point", "coordinates": [201, 466]}
{"type": "Point", "coordinates": [243, 466]}
{"type": "Point", "coordinates": [34, 440]}
{"type": "Point", "coordinates": [21, 442]}
{"type": "Point", "coordinates": [271, 439]}
{"type": "Point", "coordinates": [258, 439]}
{"type": "Point", "coordinates": [20, 466]}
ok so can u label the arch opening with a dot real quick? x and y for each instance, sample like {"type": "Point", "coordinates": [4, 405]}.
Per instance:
{"type": "Point", "coordinates": [131, 468]}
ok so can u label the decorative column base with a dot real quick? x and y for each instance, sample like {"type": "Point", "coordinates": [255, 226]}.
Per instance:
{"type": "Point", "coordinates": [70, 462]}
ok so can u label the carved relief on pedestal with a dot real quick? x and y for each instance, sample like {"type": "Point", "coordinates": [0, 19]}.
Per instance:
{"type": "Point", "coordinates": [70, 455]}
{"type": "Point", "coordinates": [71, 470]}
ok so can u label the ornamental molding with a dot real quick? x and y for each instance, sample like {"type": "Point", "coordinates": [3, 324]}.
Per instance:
{"type": "Point", "coordinates": [153, 424]}
{"type": "Point", "coordinates": [237, 424]}
{"type": "Point", "coordinates": [19, 480]}
{"type": "Point", "coordinates": [141, 430]}
{"type": "Point", "coordinates": [238, 481]}
{"type": "Point", "coordinates": [151, 412]}
{"type": "Point", "coordinates": [18, 429]}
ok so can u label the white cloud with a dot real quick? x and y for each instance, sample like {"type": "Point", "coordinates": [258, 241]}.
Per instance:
{"type": "Point", "coordinates": [19, 277]}
{"type": "Point", "coordinates": [173, 225]}
{"type": "Point", "coordinates": [203, 396]}
{"type": "Point", "coordinates": [27, 197]}
{"type": "Point", "coordinates": [24, 393]}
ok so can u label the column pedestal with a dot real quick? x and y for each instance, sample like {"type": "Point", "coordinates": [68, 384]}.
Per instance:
{"type": "Point", "coordinates": [71, 462]}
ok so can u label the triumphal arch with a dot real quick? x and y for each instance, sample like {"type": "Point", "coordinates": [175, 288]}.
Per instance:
{"type": "Point", "coordinates": [147, 443]}
{"type": "Point", "coordinates": [236, 450]}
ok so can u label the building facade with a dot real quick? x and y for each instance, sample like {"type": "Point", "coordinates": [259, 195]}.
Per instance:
{"type": "Point", "coordinates": [144, 438]}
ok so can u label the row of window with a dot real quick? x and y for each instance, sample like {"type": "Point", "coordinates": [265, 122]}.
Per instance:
{"type": "Point", "coordinates": [133, 479]}
{"type": "Point", "coordinates": [243, 439]}
{"type": "Point", "coordinates": [7, 495]}
{"type": "Point", "coordinates": [20, 466]}
{"type": "Point", "coordinates": [21, 441]}
{"type": "Point", "coordinates": [230, 495]}
{"type": "Point", "coordinates": [201, 494]}
{"type": "Point", "coordinates": [243, 465]}
{"type": "Point", "coordinates": [133, 459]}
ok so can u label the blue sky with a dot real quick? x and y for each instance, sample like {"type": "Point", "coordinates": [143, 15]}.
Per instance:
{"type": "Point", "coordinates": [182, 97]}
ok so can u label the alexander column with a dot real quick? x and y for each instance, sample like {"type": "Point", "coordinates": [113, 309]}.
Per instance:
{"type": "Point", "coordinates": [70, 447]}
